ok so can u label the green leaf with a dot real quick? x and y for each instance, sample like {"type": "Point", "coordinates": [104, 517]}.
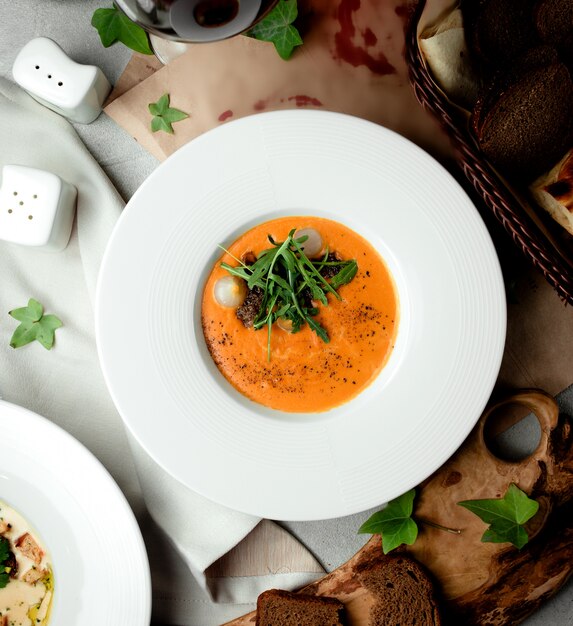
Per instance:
{"type": "Point", "coordinates": [46, 330]}
{"type": "Point", "coordinates": [113, 25]}
{"type": "Point", "coordinates": [394, 523]}
{"type": "Point", "coordinates": [158, 123]}
{"type": "Point", "coordinates": [174, 115]}
{"type": "Point", "coordinates": [318, 329]}
{"type": "Point", "coordinates": [277, 27]}
{"type": "Point", "coordinates": [505, 516]}
{"type": "Point", "coordinates": [31, 313]}
{"type": "Point", "coordinates": [289, 281]}
{"type": "Point", "coordinates": [23, 335]}
{"type": "Point", "coordinates": [346, 274]}
{"type": "Point", "coordinates": [159, 107]}
{"type": "Point", "coordinates": [4, 556]}
{"type": "Point", "coordinates": [34, 326]}
{"type": "Point", "coordinates": [4, 550]}
{"type": "Point", "coordinates": [164, 115]}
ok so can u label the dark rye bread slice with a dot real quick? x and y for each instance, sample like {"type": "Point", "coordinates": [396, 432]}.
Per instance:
{"type": "Point", "coordinates": [499, 30]}
{"type": "Point", "coordinates": [525, 128]}
{"type": "Point", "coordinates": [283, 608]}
{"type": "Point", "coordinates": [506, 76]}
{"type": "Point", "coordinates": [404, 593]}
{"type": "Point", "coordinates": [554, 20]}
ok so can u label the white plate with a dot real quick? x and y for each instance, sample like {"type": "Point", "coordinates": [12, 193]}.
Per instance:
{"type": "Point", "coordinates": [101, 573]}
{"type": "Point", "coordinates": [292, 466]}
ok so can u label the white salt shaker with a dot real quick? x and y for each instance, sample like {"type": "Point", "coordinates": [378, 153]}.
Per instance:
{"type": "Point", "coordinates": [73, 90]}
{"type": "Point", "coordinates": [36, 208]}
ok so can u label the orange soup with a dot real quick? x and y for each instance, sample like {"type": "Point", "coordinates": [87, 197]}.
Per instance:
{"type": "Point", "coordinates": [298, 371]}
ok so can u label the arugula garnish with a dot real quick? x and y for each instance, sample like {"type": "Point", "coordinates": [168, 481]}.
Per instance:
{"type": "Point", "coordinates": [505, 516]}
{"type": "Point", "coordinates": [164, 115]}
{"type": "Point", "coordinates": [113, 25]}
{"type": "Point", "coordinates": [4, 557]}
{"type": "Point", "coordinates": [278, 28]}
{"type": "Point", "coordinates": [34, 325]}
{"type": "Point", "coordinates": [394, 523]}
{"type": "Point", "coordinates": [289, 282]}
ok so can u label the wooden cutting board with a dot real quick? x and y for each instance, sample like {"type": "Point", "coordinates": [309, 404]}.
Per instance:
{"type": "Point", "coordinates": [482, 583]}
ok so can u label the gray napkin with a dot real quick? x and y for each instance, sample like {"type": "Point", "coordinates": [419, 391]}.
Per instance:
{"type": "Point", "coordinates": [66, 386]}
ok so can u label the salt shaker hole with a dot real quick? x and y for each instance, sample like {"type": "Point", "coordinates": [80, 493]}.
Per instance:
{"type": "Point", "coordinates": [21, 203]}
{"type": "Point", "coordinates": [49, 76]}
{"type": "Point", "coordinates": [37, 67]}
{"type": "Point", "coordinates": [9, 210]}
{"type": "Point", "coordinates": [60, 84]}
{"type": "Point", "coordinates": [30, 217]}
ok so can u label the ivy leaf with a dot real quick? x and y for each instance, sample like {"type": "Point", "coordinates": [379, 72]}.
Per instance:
{"type": "Point", "coordinates": [31, 313]}
{"type": "Point", "coordinates": [113, 25]}
{"type": "Point", "coordinates": [159, 107]}
{"type": "Point", "coordinates": [394, 523]}
{"type": "Point", "coordinates": [277, 27]}
{"type": "Point", "coordinates": [505, 516]}
{"type": "Point", "coordinates": [34, 326]}
{"type": "Point", "coordinates": [164, 115]}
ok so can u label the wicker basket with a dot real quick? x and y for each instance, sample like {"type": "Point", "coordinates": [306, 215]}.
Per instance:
{"type": "Point", "coordinates": [507, 209]}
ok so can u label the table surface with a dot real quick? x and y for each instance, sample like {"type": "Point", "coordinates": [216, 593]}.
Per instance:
{"type": "Point", "coordinates": [128, 165]}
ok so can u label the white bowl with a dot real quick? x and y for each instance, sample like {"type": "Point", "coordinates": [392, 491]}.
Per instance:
{"type": "Point", "coordinates": [101, 572]}
{"type": "Point", "coordinates": [283, 465]}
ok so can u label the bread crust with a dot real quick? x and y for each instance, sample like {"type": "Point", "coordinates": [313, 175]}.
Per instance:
{"type": "Point", "coordinates": [404, 593]}
{"type": "Point", "coordinates": [277, 607]}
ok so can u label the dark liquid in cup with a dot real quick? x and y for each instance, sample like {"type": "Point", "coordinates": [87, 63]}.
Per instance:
{"type": "Point", "coordinates": [154, 15]}
{"type": "Point", "coordinates": [213, 13]}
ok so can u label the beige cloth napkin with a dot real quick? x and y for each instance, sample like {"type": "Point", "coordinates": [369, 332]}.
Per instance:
{"type": "Point", "coordinates": [66, 386]}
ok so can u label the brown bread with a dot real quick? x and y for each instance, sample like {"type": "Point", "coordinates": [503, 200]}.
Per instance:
{"type": "Point", "coordinates": [499, 30]}
{"type": "Point", "coordinates": [554, 20]}
{"type": "Point", "coordinates": [283, 608]}
{"type": "Point", "coordinates": [526, 127]}
{"type": "Point", "coordinates": [404, 592]}
{"type": "Point", "coordinates": [506, 77]}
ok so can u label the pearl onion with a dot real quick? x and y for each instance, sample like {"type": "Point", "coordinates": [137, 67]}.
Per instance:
{"type": "Point", "coordinates": [285, 324]}
{"type": "Point", "coordinates": [230, 291]}
{"type": "Point", "coordinates": [313, 245]}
